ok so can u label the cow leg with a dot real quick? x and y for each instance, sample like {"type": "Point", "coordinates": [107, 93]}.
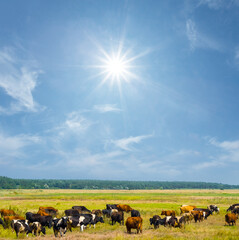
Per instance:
{"type": "Point", "coordinates": [82, 228]}
{"type": "Point", "coordinates": [94, 225]}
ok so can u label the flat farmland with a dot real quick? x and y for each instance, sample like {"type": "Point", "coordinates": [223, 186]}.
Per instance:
{"type": "Point", "coordinates": [148, 202]}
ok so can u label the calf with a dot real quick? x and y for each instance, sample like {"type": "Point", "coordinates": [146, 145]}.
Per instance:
{"type": "Point", "coordinates": [60, 225]}
{"type": "Point", "coordinates": [117, 217]}
{"type": "Point", "coordinates": [135, 223]}
{"type": "Point", "coordinates": [231, 218]}
{"type": "Point", "coordinates": [37, 228]}
{"type": "Point", "coordinates": [20, 226]}
{"type": "Point", "coordinates": [135, 213]}
{"type": "Point", "coordinates": [155, 221]}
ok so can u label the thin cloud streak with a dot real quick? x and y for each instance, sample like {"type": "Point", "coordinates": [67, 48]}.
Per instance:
{"type": "Point", "coordinates": [106, 108]}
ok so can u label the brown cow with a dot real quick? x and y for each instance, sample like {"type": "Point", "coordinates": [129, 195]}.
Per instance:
{"type": "Point", "coordinates": [43, 213]}
{"type": "Point", "coordinates": [186, 208]}
{"type": "Point", "coordinates": [124, 208]}
{"type": "Point", "coordinates": [168, 213]}
{"type": "Point", "coordinates": [7, 212]}
{"type": "Point", "coordinates": [135, 223]}
{"type": "Point", "coordinates": [231, 218]}
{"type": "Point", "coordinates": [198, 215]}
{"type": "Point", "coordinates": [50, 210]}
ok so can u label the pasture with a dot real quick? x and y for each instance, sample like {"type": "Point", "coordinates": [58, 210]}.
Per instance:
{"type": "Point", "coordinates": [148, 202]}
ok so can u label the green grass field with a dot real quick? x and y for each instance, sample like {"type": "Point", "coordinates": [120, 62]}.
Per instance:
{"type": "Point", "coordinates": [148, 202]}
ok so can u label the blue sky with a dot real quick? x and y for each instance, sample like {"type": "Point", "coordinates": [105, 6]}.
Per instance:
{"type": "Point", "coordinates": [171, 114]}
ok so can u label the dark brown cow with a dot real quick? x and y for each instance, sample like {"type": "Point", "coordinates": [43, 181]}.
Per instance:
{"type": "Point", "coordinates": [198, 215]}
{"type": "Point", "coordinates": [124, 208]}
{"type": "Point", "coordinates": [231, 218]}
{"type": "Point", "coordinates": [7, 212]}
{"type": "Point", "coordinates": [168, 213]}
{"type": "Point", "coordinates": [135, 223]}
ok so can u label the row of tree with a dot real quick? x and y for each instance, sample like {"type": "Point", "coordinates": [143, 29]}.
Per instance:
{"type": "Point", "coordinates": [10, 183]}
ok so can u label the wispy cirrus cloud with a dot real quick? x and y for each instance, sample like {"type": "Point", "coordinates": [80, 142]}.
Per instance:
{"type": "Point", "coordinates": [198, 39]}
{"type": "Point", "coordinates": [126, 143]}
{"type": "Point", "coordinates": [18, 80]}
{"type": "Point", "coordinates": [106, 108]}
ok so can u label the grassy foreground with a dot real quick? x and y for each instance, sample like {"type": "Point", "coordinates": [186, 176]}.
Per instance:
{"type": "Point", "coordinates": [148, 202]}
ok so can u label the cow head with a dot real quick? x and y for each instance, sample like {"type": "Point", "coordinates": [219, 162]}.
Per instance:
{"type": "Point", "coordinates": [99, 219]}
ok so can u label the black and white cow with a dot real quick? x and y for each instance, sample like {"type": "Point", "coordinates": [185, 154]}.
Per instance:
{"type": "Point", "coordinates": [37, 228]}
{"type": "Point", "coordinates": [214, 208]}
{"type": "Point", "coordinates": [111, 206]}
{"type": "Point", "coordinates": [106, 213]}
{"type": "Point", "coordinates": [83, 220]}
{"type": "Point", "coordinates": [233, 206]}
{"type": "Point", "coordinates": [20, 226]}
{"type": "Point", "coordinates": [45, 221]}
{"type": "Point", "coordinates": [60, 225]}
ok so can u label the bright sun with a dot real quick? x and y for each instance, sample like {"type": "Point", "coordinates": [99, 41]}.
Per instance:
{"type": "Point", "coordinates": [116, 67]}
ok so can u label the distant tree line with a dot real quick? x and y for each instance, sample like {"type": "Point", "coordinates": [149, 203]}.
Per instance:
{"type": "Point", "coordinates": [10, 183]}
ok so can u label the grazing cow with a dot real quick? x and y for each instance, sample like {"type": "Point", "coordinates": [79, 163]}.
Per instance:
{"type": "Point", "coordinates": [117, 217]}
{"type": "Point", "coordinates": [20, 226]}
{"type": "Point", "coordinates": [60, 225]}
{"type": "Point", "coordinates": [198, 215]}
{"type": "Point", "coordinates": [231, 218]}
{"type": "Point", "coordinates": [168, 213]}
{"type": "Point", "coordinates": [113, 211]}
{"type": "Point", "coordinates": [213, 208]}
{"type": "Point", "coordinates": [2, 223]}
{"type": "Point", "coordinates": [186, 208]}
{"type": "Point", "coordinates": [188, 217]}
{"type": "Point", "coordinates": [135, 223]}
{"type": "Point", "coordinates": [124, 208]}
{"type": "Point", "coordinates": [7, 212]}
{"type": "Point", "coordinates": [83, 220]}
{"type": "Point", "coordinates": [97, 212]}
{"type": "Point", "coordinates": [49, 210]}
{"type": "Point", "coordinates": [206, 212]}
{"type": "Point", "coordinates": [165, 221]}
{"type": "Point", "coordinates": [45, 221]}
{"type": "Point", "coordinates": [155, 221]}
{"type": "Point", "coordinates": [82, 209]}
{"type": "Point", "coordinates": [72, 212]}
{"type": "Point", "coordinates": [111, 206]}
{"type": "Point", "coordinates": [233, 206]}
{"type": "Point", "coordinates": [8, 219]}
{"type": "Point", "coordinates": [135, 213]}
{"type": "Point", "coordinates": [106, 213]}
{"type": "Point", "coordinates": [37, 228]}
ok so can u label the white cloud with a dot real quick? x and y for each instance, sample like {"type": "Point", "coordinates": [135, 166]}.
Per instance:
{"type": "Point", "coordinates": [125, 143]}
{"type": "Point", "coordinates": [106, 108]}
{"type": "Point", "coordinates": [199, 40]}
{"type": "Point", "coordinates": [18, 82]}
{"type": "Point", "coordinates": [75, 121]}
{"type": "Point", "coordinates": [13, 146]}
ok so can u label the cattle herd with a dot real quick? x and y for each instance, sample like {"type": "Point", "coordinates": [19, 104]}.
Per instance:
{"type": "Point", "coordinates": [80, 216]}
